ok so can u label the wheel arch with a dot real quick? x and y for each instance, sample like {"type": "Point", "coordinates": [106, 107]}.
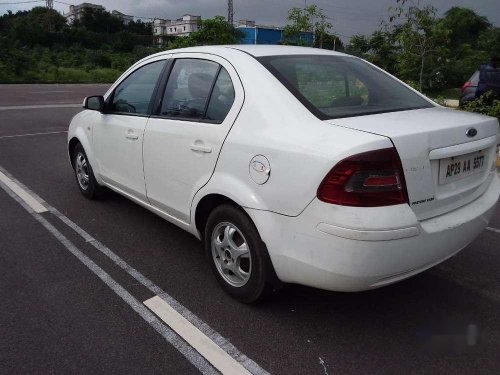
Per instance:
{"type": "Point", "coordinates": [71, 149]}
{"type": "Point", "coordinates": [205, 206]}
{"type": "Point", "coordinates": [78, 135]}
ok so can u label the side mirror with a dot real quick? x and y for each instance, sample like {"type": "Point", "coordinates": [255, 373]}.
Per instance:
{"type": "Point", "coordinates": [94, 103]}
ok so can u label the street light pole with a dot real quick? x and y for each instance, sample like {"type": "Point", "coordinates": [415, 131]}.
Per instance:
{"type": "Point", "coordinates": [50, 8]}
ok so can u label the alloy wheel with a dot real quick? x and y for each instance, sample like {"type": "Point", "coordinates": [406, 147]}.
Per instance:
{"type": "Point", "coordinates": [231, 254]}
{"type": "Point", "coordinates": [82, 171]}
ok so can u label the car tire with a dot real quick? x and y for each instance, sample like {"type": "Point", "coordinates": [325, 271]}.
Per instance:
{"type": "Point", "coordinates": [243, 275]}
{"type": "Point", "coordinates": [84, 174]}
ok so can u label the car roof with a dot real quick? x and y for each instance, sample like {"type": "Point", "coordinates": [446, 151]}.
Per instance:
{"type": "Point", "coordinates": [259, 50]}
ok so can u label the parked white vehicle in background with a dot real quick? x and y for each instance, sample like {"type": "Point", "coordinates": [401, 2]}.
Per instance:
{"type": "Point", "coordinates": [293, 165]}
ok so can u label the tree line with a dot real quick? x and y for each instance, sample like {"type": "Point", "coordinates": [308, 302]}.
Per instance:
{"type": "Point", "coordinates": [431, 53]}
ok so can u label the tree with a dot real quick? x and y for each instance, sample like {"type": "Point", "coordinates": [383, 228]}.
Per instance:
{"type": "Point", "coordinates": [328, 41]}
{"type": "Point", "coordinates": [310, 19]}
{"type": "Point", "coordinates": [379, 48]}
{"type": "Point", "coordinates": [359, 45]}
{"type": "Point", "coordinates": [489, 41]}
{"type": "Point", "coordinates": [139, 27]}
{"type": "Point", "coordinates": [462, 25]}
{"type": "Point", "coordinates": [212, 31]}
{"type": "Point", "coordinates": [414, 28]}
{"type": "Point", "coordinates": [465, 41]}
{"type": "Point", "coordinates": [99, 21]}
{"type": "Point", "coordinates": [217, 30]}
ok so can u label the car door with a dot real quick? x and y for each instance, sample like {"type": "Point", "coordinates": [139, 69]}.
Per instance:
{"type": "Point", "coordinates": [118, 136]}
{"type": "Point", "coordinates": [199, 104]}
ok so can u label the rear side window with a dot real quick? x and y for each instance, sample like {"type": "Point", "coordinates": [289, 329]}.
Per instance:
{"type": "Point", "coordinates": [133, 95]}
{"type": "Point", "coordinates": [492, 77]}
{"type": "Point", "coordinates": [341, 86]}
{"type": "Point", "coordinates": [474, 80]}
{"type": "Point", "coordinates": [222, 98]}
{"type": "Point", "coordinates": [188, 89]}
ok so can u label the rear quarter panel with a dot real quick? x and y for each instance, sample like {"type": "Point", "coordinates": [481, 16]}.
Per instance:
{"type": "Point", "coordinates": [301, 148]}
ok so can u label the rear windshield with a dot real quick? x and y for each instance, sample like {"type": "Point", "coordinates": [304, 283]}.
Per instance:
{"type": "Point", "coordinates": [341, 86]}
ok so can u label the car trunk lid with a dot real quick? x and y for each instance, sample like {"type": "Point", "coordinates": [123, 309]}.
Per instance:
{"type": "Point", "coordinates": [444, 167]}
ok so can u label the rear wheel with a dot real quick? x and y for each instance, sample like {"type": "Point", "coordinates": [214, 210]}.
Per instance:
{"type": "Point", "coordinates": [237, 254]}
{"type": "Point", "coordinates": [84, 175]}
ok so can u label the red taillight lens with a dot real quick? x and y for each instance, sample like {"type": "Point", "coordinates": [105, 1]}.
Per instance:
{"type": "Point", "coordinates": [466, 84]}
{"type": "Point", "coordinates": [370, 179]}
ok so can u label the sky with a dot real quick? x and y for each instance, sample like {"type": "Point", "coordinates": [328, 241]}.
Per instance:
{"type": "Point", "coordinates": [349, 17]}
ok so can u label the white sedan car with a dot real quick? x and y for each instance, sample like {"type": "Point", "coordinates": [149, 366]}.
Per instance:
{"type": "Point", "coordinates": [293, 165]}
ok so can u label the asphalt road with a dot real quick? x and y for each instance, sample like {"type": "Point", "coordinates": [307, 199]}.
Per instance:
{"type": "Point", "coordinates": [60, 315]}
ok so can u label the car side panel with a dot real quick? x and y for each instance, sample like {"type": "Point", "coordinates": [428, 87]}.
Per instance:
{"type": "Point", "coordinates": [300, 148]}
{"type": "Point", "coordinates": [174, 170]}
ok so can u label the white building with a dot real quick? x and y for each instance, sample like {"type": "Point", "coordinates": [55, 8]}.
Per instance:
{"type": "Point", "coordinates": [179, 27]}
{"type": "Point", "coordinates": [76, 11]}
{"type": "Point", "coordinates": [124, 17]}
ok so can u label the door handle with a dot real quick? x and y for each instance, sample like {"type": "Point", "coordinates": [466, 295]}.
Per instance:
{"type": "Point", "coordinates": [201, 148]}
{"type": "Point", "coordinates": [132, 136]}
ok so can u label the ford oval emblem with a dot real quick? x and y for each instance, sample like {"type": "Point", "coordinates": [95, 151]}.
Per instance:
{"type": "Point", "coordinates": [471, 132]}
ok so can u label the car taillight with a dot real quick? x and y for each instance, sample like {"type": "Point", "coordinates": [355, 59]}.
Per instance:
{"type": "Point", "coordinates": [466, 84]}
{"type": "Point", "coordinates": [369, 179]}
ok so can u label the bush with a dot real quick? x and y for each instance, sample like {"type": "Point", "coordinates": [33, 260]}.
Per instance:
{"type": "Point", "coordinates": [484, 105]}
{"type": "Point", "coordinates": [104, 75]}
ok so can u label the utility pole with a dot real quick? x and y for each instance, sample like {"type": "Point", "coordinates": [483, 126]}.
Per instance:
{"type": "Point", "coordinates": [50, 8]}
{"type": "Point", "coordinates": [230, 12]}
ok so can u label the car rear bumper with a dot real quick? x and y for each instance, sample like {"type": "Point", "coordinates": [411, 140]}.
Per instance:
{"type": "Point", "coordinates": [313, 249]}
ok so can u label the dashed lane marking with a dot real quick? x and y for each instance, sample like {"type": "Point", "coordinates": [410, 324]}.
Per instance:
{"type": "Point", "coordinates": [49, 92]}
{"type": "Point", "coordinates": [22, 194]}
{"type": "Point", "coordinates": [224, 344]}
{"type": "Point", "coordinates": [194, 337]}
{"type": "Point", "coordinates": [195, 358]}
{"type": "Point", "coordinates": [39, 106]}
{"type": "Point", "coordinates": [31, 134]}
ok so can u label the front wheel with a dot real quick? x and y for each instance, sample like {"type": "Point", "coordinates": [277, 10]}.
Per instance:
{"type": "Point", "coordinates": [84, 175]}
{"type": "Point", "coordinates": [236, 253]}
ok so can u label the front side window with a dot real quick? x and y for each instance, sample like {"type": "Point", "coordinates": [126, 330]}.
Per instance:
{"type": "Point", "coordinates": [341, 86]}
{"type": "Point", "coordinates": [188, 89]}
{"type": "Point", "coordinates": [133, 95]}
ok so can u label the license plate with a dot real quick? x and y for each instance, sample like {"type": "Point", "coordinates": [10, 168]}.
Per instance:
{"type": "Point", "coordinates": [458, 167]}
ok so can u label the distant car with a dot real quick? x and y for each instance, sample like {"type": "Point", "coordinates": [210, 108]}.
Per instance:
{"type": "Point", "coordinates": [472, 88]}
{"type": "Point", "coordinates": [293, 165]}
{"type": "Point", "coordinates": [469, 89]}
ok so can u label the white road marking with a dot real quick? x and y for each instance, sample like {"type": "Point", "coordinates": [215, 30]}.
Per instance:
{"type": "Point", "coordinates": [49, 92]}
{"type": "Point", "coordinates": [32, 134]}
{"type": "Point", "coordinates": [493, 229]}
{"type": "Point", "coordinates": [194, 337]}
{"type": "Point", "coordinates": [21, 193]}
{"type": "Point", "coordinates": [39, 106]}
{"type": "Point", "coordinates": [170, 336]}
{"type": "Point", "coordinates": [221, 341]}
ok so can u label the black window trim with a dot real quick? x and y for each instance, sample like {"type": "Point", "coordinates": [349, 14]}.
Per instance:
{"type": "Point", "coordinates": [161, 92]}
{"type": "Point", "coordinates": [109, 101]}
{"type": "Point", "coordinates": [266, 62]}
